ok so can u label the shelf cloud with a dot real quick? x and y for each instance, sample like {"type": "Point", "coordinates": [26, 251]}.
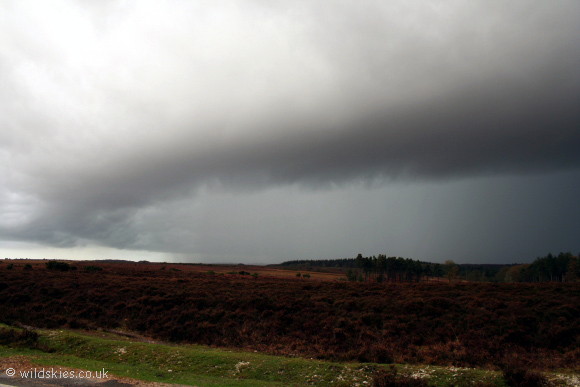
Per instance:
{"type": "Point", "coordinates": [117, 116]}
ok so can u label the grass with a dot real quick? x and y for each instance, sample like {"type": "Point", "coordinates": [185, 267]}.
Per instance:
{"type": "Point", "coordinates": [205, 366]}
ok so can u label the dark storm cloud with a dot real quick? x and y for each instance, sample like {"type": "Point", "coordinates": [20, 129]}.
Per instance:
{"type": "Point", "coordinates": [481, 131]}
{"type": "Point", "coordinates": [113, 111]}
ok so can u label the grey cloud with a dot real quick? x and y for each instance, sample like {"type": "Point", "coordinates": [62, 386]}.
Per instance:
{"type": "Point", "coordinates": [134, 107]}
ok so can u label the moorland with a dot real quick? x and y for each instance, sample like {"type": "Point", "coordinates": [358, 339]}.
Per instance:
{"type": "Point", "coordinates": [320, 315]}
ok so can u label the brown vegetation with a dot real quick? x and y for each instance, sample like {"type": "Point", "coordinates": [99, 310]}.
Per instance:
{"type": "Point", "coordinates": [464, 324]}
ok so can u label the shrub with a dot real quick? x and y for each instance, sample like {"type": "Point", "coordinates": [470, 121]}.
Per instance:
{"type": "Point", "coordinates": [18, 337]}
{"type": "Point", "coordinates": [391, 378]}
{"type": "Point", "coordinates": [59, 266]}
{"type": "Point", "coordinates": [521, 377]}
{"type": "Point", "coordinates": [91, 268]}
{"type": "Point", "coordinates": [517, 374]}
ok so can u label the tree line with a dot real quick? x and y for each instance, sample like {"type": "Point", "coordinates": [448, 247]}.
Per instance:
{"type": "Point", "coordinates": [564, 267]}
{"type": "Point", "coordinates": [378, 268]}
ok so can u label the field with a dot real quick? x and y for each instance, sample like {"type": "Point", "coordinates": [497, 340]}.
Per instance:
{"type": "Point", "coordinates": [467, 325]}
{"type": "Point", "coordinates": [142, 360]}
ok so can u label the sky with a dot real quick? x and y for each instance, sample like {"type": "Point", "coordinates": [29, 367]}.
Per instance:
{"type": "Point", "coordinates": [260, 131]}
